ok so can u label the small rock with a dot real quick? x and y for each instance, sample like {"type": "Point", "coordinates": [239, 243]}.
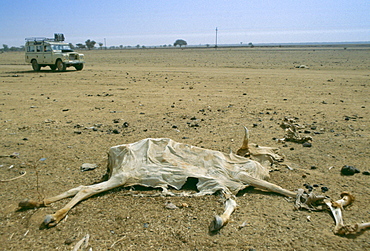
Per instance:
{"type": "Point", "coordinates": [366, 173]}
{"type": "Point", "coordinates": [306, 144]}
{"type": "Point", "coordinates": [69, 241]}
{"type": "Point", "coordinates": [324, 189]}
{"type": "Point", "coordinates": [349, 170]}
{"type": "Point", "coordinates": [171, 206]}
{"type": "Point", "coordinates": [88, 167]}
{"type": "Point", "coordinates": [115, 131]}
{"type": "Point", "coordinates": [14, 155]}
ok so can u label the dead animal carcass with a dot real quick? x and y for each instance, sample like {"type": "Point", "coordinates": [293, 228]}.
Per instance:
{"type": "Point", "coordinates": [163, 163]}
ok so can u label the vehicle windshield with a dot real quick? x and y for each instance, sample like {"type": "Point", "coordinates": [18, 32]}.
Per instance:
{"type": "Point", "coordinates": [61, 47]}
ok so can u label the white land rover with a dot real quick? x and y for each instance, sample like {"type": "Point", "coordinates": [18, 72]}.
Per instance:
{"type": "Point", "coordinates": [55, 53]}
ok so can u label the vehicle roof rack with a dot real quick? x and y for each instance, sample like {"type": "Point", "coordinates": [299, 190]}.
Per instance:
{"type": "Point", "coordinates": [39, 39]}
{"type": "Point", "coordinates": [58, 37]}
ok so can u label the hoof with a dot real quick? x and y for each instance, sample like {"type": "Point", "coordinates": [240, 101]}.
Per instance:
{"type": "Point", "coordinates": [216, 224]}
{"type": "Point", "coordinates": [49, 221]}
{"type": "Point", "coordinates": [28, 204]}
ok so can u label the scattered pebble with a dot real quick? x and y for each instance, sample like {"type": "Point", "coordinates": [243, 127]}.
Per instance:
{"type": "Point", "coordinates": [88, 167]}
{"type": "Point", "coordinates": [115, 131]}
{"type": "Point", "coordinates": [324, 189]}
{"type": "Point", "coordinates": [69, 241]}
{"type": "Point", "coordinates": [349, 170]}
{"type": "Point", "coordinates": [306, 144]}
{"type": "Point", "coordinates": [171, 206]}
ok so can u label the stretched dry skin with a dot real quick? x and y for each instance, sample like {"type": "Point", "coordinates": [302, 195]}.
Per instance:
{"type": "Point", "coordinates": [163, 163]}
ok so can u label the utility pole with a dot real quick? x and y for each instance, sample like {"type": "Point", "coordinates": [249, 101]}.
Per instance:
{"type": "Point", "coordinates": [216, 38]}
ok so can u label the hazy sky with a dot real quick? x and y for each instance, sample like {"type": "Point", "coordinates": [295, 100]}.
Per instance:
{"type": "Point", "coordinates": [160, 22]}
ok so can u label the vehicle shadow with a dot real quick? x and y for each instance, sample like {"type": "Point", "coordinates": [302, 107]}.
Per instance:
{"type": "Point", "coordinates": [40, 71]}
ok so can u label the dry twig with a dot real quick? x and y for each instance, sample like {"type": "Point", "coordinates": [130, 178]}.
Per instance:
{"type": "Point", "coordinates": [14, 178]}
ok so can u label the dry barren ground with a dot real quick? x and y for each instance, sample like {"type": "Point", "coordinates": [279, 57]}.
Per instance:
{"type": "Point", "coordinates": [198, 96]}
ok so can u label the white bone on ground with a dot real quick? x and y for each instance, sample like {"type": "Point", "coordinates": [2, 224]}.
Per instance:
{"type": "Point", "coordinates": [220, 221]}
{"type": "Point", "coordinates": [336, 209]}
{"type": "Point", "coordinates": [362, 226]}
{"type": "Point", "coordinates": [337, 214]}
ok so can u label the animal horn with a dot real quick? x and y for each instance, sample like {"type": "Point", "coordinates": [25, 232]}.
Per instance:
{"type": "Point", "coordinates": [245, 140]}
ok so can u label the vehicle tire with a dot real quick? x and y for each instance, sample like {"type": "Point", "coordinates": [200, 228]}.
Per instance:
{"type": "Point", "coordinates": [53, 67]}
{"type": "Point", "coordinates": [79, 67]}
{"type": "Point", "coordinates": [35, 65]}
{"type": "Point", "coordinates": [60, 66]}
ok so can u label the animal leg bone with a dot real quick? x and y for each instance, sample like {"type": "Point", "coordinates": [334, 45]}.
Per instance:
{"type": "Point", "coordinates": [336, 208]}
{"type": "Point", "coordinates": [264, 185]}
{"type": "Point", "coordinates": [27, 204]}
{"type": "Point", "coordinates": [84, 192]}
{"type": "Point", "coordinates": [220, 221]}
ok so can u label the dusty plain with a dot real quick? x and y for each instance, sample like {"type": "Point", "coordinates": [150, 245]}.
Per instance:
{"type": "Point", "coordinates": [201, 97]}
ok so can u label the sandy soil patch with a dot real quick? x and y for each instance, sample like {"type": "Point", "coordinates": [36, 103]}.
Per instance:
{"type": "Point", "coordinates": [198, 96]}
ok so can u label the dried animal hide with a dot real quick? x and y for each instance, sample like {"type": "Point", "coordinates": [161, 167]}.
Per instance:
{"type": "Point", "coordinates": [164, 162]}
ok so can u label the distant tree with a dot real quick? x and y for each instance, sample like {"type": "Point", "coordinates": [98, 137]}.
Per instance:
{"type": "Point", "coordinates": [90, 44]}
{"type": "Point", "coordinates": [180, 42]}
{"type": "Point", "coordinates": [81, 46]}
{"type": "Point", "coordinates": [250, 44]}
{"type": "Point", "coordinates": [138, 46]}
{"type": "Point", "coordinates": [121, 46]}
{"type": "Point", "coordinates": [101, 46]}
{"type": "Point", "coordinates": [5, 47]}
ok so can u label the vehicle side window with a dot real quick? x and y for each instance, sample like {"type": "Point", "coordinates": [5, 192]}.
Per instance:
{"type": "Point", "coordinates": [38, 48]}
{"type": "Point", "coordinates": [56, 47]}
{"type": "Point", "coordinates": [31, 48]}
{"type": "Point", "coordinates": [47, 48]}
